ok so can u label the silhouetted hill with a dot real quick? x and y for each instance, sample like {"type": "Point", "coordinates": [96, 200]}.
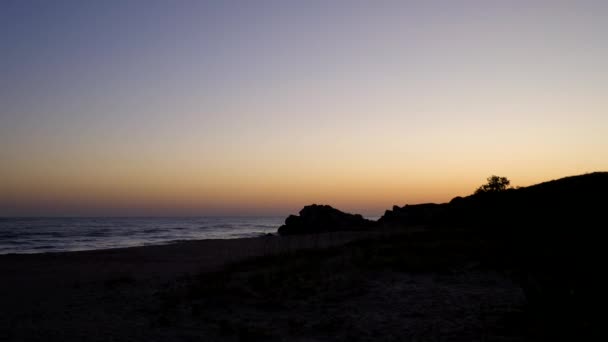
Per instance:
{"type": "Point", "coordinates": [555, 205]}
{"type": "Point", "coordinates": [562, 202]}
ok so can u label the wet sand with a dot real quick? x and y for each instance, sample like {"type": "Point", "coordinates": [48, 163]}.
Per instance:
{"type": "Point", "coordinates": [158, 262]}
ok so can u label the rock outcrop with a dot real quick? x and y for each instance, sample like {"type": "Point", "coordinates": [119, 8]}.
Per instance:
{"type": "Point", "coordinates": [411, 215]}
{"type": "Point", "coordinates": [323, 218]}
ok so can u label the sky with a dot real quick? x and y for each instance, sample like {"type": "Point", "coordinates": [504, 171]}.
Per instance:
{"type": "Point", "coordinates": [129, 108]}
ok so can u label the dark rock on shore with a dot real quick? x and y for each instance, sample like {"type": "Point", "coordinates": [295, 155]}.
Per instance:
{"type": "Point", "coordinates": [410, 215]}
{"type": "Point", "coordinates": [323, 218]}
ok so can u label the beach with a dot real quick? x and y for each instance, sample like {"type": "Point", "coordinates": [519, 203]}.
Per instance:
{"type": "Point", "coordinates": [54, 292]}
{"type": "Point", "coordinates": [264, 288]}
{"type": "Point", "coordinates": [159, 262]}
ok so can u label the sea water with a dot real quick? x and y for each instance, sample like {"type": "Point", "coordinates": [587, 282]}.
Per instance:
{"type": "Point", "coordinates": [38, 235]}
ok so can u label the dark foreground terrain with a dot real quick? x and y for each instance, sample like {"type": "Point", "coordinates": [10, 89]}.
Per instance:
{"type": "Point", "coordinates": [391, 286]}
{"type": "Point", "coordinates": [397, 288]}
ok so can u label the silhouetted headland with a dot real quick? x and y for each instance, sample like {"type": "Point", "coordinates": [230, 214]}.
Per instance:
{"type": "Point", "coordinates": [553, 204]}
{"type": "Point", "coordinates": [549, 205]}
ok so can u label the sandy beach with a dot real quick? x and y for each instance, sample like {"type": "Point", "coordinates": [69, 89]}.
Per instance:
{"type": "Point", "coordinates": [216, 290]}
{"type": "Point", "coordinates": [159, 262]}
{"type": "Point", "coordinates": [54, 292]}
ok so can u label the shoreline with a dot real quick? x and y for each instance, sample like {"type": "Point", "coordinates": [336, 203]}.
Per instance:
{"type": "Point", "coordinates": [168, 242]}
{"type": "Point", "coordinates": [31, 275]}
{"type": "Point", "coordinates": [322, 238]}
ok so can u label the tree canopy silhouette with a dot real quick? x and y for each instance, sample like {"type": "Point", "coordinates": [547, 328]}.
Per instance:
{"type": "Point", "coordinates": [495, 184]}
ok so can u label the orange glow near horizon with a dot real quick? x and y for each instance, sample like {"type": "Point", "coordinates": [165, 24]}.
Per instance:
{"type": "Point", "coordinates": [272, 188]}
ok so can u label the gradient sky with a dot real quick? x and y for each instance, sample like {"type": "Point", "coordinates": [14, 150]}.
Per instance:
{"type": "Point", "coordinates": [261, 107]}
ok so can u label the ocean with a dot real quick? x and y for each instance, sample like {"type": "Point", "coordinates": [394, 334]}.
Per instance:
{"type": "Point", "coordinates": [39, 235]}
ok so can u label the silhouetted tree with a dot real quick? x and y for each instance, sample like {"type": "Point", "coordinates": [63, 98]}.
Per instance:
{"type": "Point", "coordinates": [495, 184]}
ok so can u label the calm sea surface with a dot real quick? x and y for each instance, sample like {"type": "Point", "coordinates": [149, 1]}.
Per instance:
{"type": "Point", "coordinates": [37, 235]}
